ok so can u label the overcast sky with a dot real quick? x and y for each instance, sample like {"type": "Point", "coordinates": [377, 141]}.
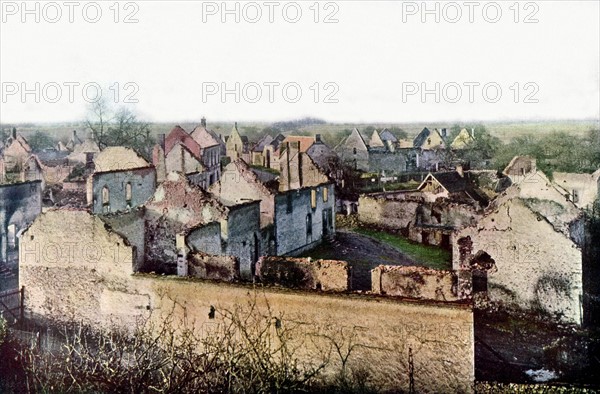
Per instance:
{"type": "Point", "coordinates": [343, 61]}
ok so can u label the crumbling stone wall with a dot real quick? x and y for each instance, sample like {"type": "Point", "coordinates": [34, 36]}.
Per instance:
{"type": "Point", "coordinates": [414, 282]}
{"type": "Point", "coordinates": [206, 239]}
{"type": "Point", "coordinates": [20, 204]}
{"type": "Point", "coordinates": [242, 236]}
{"type": "Point", "coordinates": [304, 273]}
{"type": "Point", "coordinates": [102, 292]}
{"type": "Point", "coordinates": [419, 220]}
{"type": "Point", "coordinates": [239, 184]}
{"type": "Point", "coordinates": [205, 266]}
{"type": "Point", "coordinates": [389, 213]}
{"type": "Point", "coordinates": [143, 185]}
{"type": "Point", "coordinates": [528, 263]}
{"type": "Point", "coordinates": [71, 263]}
{"type": "Point", "coordinates": [131, 226]}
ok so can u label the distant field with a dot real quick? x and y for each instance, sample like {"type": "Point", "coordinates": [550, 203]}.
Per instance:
{"type": "Point", "coordinates": [332, 133]}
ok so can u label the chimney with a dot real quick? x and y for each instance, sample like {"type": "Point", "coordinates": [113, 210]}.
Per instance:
{"type": "Point", "coordinates": [161, 141]}
{"type": "Point", "coordinates": [473, 133]}
{"type": "Point", "coordinates": [203, 122]}
{"type": "Point", "coordinates": [460, 171]}
{"type": "Point", "coordinates": [14, 133]}
{"type": "Point", "coordinates": [235, 126]}
{"type": "Point", "coordinates": [318, 138]}
{"type": "Point", "coordinates": [444, 133]}
{"type": "Point", "coordinates": [74, 135]}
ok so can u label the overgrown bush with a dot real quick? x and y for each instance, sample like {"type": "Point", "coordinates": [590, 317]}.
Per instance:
{"type": "Point", "coordinates": [248, 350]}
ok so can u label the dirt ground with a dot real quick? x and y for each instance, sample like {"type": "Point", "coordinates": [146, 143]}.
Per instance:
{"type": "Point", "coordinates": [362, 253]}
{"type": "Point", "coordinates": [509, 345]}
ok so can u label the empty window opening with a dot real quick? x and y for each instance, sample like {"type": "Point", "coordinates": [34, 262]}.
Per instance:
{"type": "Point", "coordinates": [128, 194]}
{"type": "Point", "coordinates": [480, 281]}
{"type": "Point", "coordinates": [12, 236]}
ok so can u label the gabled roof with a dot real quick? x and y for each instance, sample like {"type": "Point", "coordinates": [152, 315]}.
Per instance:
{"type": "Point", "coordinates": [375, 140]}
{"type": "Point", "coordinates": [179, 135]}
{"type": "Point", "coordinates": [204, 137]}
{"type": "Point", "coordinates": [463, 139]}
{"type": "Point", "coordinates": [264, 141]}
{"type": "Point", "coordinates": [451, 181]}
{"type": "Point", "coordinates": [460, 187]}
{"type": "Point", "coordinates": [22, 142]}
{"type": "Point", "coordinates": [387, 135]}
{"type": "Point", "coordinates": [355, 134]}
{"type": "Point", "coordinates": [277, 141]}
{"type": "Point", "coordinates": [305, 142]}
{"type": "Point", "coordinates": [52, 158]}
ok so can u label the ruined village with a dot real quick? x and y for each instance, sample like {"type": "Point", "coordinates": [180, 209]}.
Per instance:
{"type": "Point", "coordinates": [386, 262]}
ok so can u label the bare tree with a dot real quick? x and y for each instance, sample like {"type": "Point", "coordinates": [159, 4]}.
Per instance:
{"type": "Point", "coordinates": [118, 127]}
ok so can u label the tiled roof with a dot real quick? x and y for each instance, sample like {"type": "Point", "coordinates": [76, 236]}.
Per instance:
{"type": "Point", "coordinates": [305, 142]}
{"type": "Point", "coordinates": [204, 137]}
{"type": "Point", "coordinates": [178, 134]}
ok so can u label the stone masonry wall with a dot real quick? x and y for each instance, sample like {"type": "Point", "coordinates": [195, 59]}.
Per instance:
{"type": "Point", "coordinates": [533, 265]}
{"type": "Point", "coordinates": [414, 282]}
{"type": "Point", "coordinates": [204, 266]}
{"type": "Point", "coordinates": [304, 273]}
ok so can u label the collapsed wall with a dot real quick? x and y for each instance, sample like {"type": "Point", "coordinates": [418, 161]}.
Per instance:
{"type": "Point", "coordinates": [304, 273]}
{"type": "Point", "coordinates": [414, 282]}
{"type": "Point", "coordinates": [83, 272]}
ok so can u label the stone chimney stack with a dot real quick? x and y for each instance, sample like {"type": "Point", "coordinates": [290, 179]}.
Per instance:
{"type": "Point", "coordinates": [14, 133]}
{"type": "Point", "coordinates": [318, 138]}
{"type": "Point", "coordinates": [74, 135]}
{"type": "Point", "coordinates": [203, 122]}
{"type": "Point", "coordinates": [473, 132]}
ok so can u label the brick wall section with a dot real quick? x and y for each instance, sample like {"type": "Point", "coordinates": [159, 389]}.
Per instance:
{"type": "Point", "coordinates": [304, 273]}
{"type": "Point", "coordinates": [414, 282]}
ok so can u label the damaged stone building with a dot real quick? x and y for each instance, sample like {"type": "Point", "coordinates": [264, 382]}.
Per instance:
{"type": "Point", "coordinates": [121, 180]}
{"type": "Point", "coordinates": [84, 273]}
{"type": "Point", "coordinates": [198, 155]}
{"type": "Point", "coordinates": [20, 204]}
{"type": "Point", "coordinates": [305, 204]}
{"type": "Point", "coordinates": [526, 249]}
{"type": "Point", "coordinates": [442, 203]}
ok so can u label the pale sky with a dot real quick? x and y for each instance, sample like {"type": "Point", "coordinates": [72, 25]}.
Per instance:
{"type": "Point", "coordinates": [370, 64]}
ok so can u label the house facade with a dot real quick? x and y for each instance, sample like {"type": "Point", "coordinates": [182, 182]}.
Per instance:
{"type": "Point", "coordinates": [526, 250]}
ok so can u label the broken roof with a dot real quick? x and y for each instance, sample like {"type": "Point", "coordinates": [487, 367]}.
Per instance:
{"type": "Point", "coordinates": [188, 205]}
{"type": "Point", "coordinates": [451, 181]}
